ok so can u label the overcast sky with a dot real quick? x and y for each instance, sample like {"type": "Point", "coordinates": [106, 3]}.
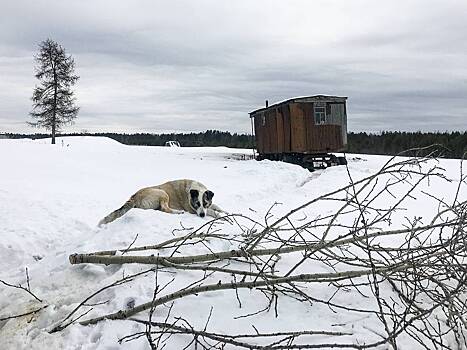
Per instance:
{"type": "Point", "coordinates": [161, 66]}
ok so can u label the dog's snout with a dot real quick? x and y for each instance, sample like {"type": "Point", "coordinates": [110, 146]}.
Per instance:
{"type": "Point", "coordinates": [201, 214]}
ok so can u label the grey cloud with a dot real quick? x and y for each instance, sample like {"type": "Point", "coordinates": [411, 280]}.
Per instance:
{"type": "Point", "coordinates": [155, 66]}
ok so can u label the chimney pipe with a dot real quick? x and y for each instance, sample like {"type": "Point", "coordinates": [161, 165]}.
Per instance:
{"type": "Point", "coordinates": [267, 103]}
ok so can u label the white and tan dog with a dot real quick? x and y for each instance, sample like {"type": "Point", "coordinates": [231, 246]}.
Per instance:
{"type": "Point", "coordinates": [175, 197]}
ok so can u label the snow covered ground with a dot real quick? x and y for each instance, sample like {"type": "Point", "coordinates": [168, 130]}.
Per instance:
{"type": "Point", "coordinates": [52, 196]}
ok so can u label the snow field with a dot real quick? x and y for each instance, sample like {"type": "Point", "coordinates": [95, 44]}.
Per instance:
{"type": "Point", "coordinates": [52, 196]}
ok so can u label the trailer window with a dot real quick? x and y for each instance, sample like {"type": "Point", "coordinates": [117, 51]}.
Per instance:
{"type": "Point", "coordinates": [320, 115]}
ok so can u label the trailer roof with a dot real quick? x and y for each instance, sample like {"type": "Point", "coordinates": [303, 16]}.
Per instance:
{"type": "Point", "coordinates": [313, 98]}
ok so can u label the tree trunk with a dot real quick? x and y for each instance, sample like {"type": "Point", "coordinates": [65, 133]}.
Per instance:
{"type": "Point", "coordinates": [53, 132]}
{"type": "Point", "coordinates": [54, 120]}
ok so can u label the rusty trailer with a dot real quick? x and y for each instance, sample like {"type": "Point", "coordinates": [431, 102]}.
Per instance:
{"type": "Point", "coordinates": [302, 130]}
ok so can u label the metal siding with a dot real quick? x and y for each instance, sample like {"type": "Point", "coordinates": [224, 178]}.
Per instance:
{"type": "Point", "coordinates": [339, 117]}
{"type": "Point", "coordinates": [280, 130]}
{"type": "Point", "coordinates": [298, 129]}
{"type": "Point", "coordinates": [272, 130]}
{"type": "Point", "coordinates": [344, 128]}
{"type": "Point", "coordinates": [308, 99]}
{"type": "Point", "coordinates": [310, 125]}
{"type": "Point", "coordinates": [291, 127]}
{"type": "Point", "coordinates": [326, 138]}
{"type": "Point", "coordinates": [258, 134]}
{"type": "Point", "coordinates": [323, 137]}
{"type": "Point", "coordinates": [287, 130]}
{"type": "Point", "coordinates": [266, 134]}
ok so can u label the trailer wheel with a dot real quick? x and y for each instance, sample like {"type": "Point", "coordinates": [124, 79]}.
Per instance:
{"type": "Point", "coordinates": [309, 166]}
{"type": "Point", "coordinates": [341, 160]}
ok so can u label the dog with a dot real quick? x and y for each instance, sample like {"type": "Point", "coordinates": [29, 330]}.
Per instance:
{"type": "Point", "coordinates": [175, 197]}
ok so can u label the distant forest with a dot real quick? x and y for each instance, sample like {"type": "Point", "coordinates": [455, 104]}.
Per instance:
{"type": "Point", "coordinates": [200, 139]}
{"type": "Point", "coordinates": [452, 144]}
{"type": "Point", "coordinates": [386, 143]}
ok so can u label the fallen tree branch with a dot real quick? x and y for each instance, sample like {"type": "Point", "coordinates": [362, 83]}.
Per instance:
{"type": "Point", "coordinates": [19, 286]}
{"type": "Point", "coordinates": [5, 318]}
{"type": "Point", "coordinates": [232, 339]}
{"type": "Point", "coordinates": [315, 277]}
{"type": "Point", "coordinates": [62, 325]}
{"type": "Point", "coordinates": [240, 253]}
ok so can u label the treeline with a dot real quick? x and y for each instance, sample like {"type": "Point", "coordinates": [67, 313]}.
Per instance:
{"type": "Point", "coordinates": [386, 143]}
{"type": "Point", "coordinates": [200, 139]}
{"type": "Point", "coordinates": [452, 144]}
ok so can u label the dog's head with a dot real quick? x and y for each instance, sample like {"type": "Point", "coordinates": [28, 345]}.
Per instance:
{"type": "Point", "coordinates": [200, 201]}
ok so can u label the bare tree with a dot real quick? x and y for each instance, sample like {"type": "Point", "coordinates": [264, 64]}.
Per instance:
{"type": "Point", "coordinates": [53, 100]}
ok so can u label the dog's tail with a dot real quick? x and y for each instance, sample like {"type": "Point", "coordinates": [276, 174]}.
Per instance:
{"type": "Point", "coordinates": [117, 213]}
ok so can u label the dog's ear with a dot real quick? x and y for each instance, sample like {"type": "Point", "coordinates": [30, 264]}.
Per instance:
{"type": "Point", "coordinates": [194, 193]}
{"type": "Point", "coordinates": [209, 195]}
